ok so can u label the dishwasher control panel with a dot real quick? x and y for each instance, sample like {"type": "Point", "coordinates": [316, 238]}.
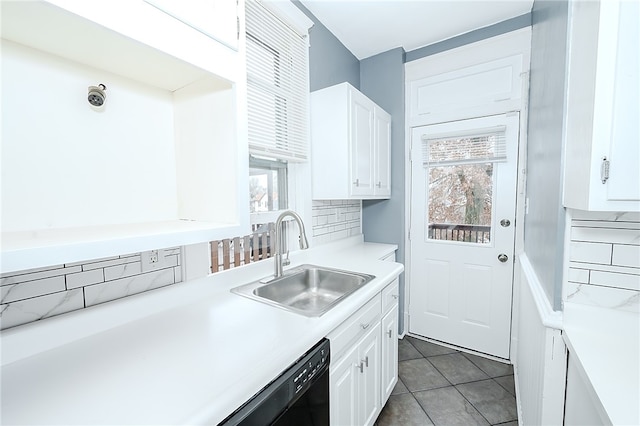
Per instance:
{"type": "Point", "coordinates": [310, 366]}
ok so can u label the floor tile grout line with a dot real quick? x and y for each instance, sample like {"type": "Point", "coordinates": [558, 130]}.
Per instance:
{"type": "Point", "coordinates": [422, 408]}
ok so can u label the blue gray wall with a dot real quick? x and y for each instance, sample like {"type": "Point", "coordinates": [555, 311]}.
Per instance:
{"type": "Point", "coordinates": [544, 223]}
{"type": "Point", "coordinates": [330, 62]}
{"type": "Point", "coordinates": [471, 37]}
{"type": "Point", "coordinates": [382, 80]}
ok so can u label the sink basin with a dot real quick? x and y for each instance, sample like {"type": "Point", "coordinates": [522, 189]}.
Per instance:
{"type": "Point", "coordinates": [307, 289]}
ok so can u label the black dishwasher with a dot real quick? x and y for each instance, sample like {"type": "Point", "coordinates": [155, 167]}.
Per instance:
{"type": "Point", "coordinates": [299, 396]}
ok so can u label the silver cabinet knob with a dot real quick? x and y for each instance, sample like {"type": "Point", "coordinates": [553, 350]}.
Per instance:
{"type": "Point", "coordinates": [503, 257]}
{"type": "Point", "coordinates": [505, 223]}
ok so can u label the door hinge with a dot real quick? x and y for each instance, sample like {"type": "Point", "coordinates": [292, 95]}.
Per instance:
{"type": "Point", "coordinates": [604, 170]}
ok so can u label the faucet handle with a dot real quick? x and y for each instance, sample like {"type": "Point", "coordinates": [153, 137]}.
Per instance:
{"type": "Point", "coordinates": [286, 261]}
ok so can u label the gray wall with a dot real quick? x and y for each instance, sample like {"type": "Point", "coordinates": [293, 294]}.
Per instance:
{"type": "Point", "coordinates": [382, 80]}
{"type": "Point", "coordinates": [544, 223]}
{"type": "Point", "coordinates": [330, 62]}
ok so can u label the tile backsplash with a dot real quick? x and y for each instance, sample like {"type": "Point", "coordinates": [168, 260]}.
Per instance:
{"type": "Point", "coordinates": [336, 219]}
{"type": "Point", "coordinates": [35, 294]}
{"type": "Point", "coordinates": [604, 260]}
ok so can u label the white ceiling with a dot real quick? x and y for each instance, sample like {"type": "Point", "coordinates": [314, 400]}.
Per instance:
{"type": "Point", "coordinates": [369, 27]}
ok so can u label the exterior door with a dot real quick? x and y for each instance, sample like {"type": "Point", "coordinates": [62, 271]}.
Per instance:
{"type": "Point", "coordinates": [463, 205]}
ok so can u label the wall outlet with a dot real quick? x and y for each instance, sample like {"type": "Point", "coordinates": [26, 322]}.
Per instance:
{"type": "Point", "coordinates": [152, 260]}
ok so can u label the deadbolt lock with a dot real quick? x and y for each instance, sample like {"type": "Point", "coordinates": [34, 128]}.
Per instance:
{"type": "Point", "coordinates": [505, 223]}
{"type": "Point", "coordinates": [503, 257]}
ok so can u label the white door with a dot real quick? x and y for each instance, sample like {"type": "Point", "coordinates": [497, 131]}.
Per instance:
{"type": "Point", "coordinates": [463, 208]}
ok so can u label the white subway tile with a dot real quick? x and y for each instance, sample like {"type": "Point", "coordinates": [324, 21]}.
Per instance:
{"type": "Point", "coordinates": [579, 275]}
{"type": "Point", "coordinates": [606, 268]}
{"type": "Point", "coordinates": [29, 289]}
{"type": "Point", "coordinates": [121, 271]}
{"type": "Point", "coordinates": [177, 274]}
{"type": "Point", "coordinates": [323, 220]}
{"type": "Point", "coordinates": [82, 279]}
{"type": "Point", "coordinates": [610, 225]}
{"type": "Point", "coordinates": [626, 255]}
{"type": "Point", "coordinates": [29, 310]}
{"type": "Point", "coordinates": [606, 216]}
{"type": "Point", "coordinates": [117, 289]}
{"type": "Point", "coordinates": [32, 276]}
{"type": "Point", "coordinates": [171, 251]}
{"type": "Point", "coordinates": [30, 271]}
{"type": "Point", "coordinates": [606, 235]}
{"type": "Point", "coordinates": [111, 262]}
{"type": "Point", "coordinates": [610, 279]}
{"type": "Point", "coordinates": [171, 261]}
{"type": "Point", "coordinates": [102, 259]}
{"type": "Point", "coordinates": [590, 252]}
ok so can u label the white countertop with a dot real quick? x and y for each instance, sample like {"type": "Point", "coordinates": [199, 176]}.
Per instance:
{"type": "Point", "coordinates": [189, 353]}
{"type": "Point", "coordinates": [605, 345]}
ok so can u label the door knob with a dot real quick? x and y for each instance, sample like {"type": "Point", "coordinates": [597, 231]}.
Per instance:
{"type": "Point", "coordinates": [503, 257]}
{"type": "Point", "coordinates": [505, 223]}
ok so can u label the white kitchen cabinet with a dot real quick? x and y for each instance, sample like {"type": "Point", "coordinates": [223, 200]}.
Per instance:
{"type": "Point", "coordinates": [163, 163]}
{"type": "Point", "coordinates": [581, 406]}
{"type": "Point", "coordinates": [364, 366]}
{"type": "Point", "coordinates": [217, 19]}
{"type": "Point", "coordinates": [389, 344]}
{"type": "Point", "coordinates": [350, 145]}
{"type": "Point", "coordinates": [355, 382]}
{"type": "Point", "coordinates": [602, 171]}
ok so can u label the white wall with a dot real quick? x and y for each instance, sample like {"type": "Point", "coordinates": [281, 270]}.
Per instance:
{"type": "Point", "coordinates": [113, 165]}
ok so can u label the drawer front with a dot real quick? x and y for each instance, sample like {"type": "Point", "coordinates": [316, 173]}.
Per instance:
{"type": "Point", "coordinates": [354, 327]}
{"type": "Point", "coordinates": [390, 296]}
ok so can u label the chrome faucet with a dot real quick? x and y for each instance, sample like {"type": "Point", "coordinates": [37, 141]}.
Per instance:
{"type": "Point", "coordinates": [304, 244]}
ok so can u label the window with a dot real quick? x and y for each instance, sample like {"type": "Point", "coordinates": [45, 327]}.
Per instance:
{"type": "Point", "coordinates": [277, 86]}
{"type": "Point", "coordinates": [267, 185]}
{"type": "Point", "coordinates": [277, 103]}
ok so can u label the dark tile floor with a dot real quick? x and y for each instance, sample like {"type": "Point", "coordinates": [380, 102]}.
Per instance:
{"type": "Point", "coordinates": [442, 386]}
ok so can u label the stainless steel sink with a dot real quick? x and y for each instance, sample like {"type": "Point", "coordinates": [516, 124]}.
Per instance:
{"type": "Point", "coordinates": [307, 289]}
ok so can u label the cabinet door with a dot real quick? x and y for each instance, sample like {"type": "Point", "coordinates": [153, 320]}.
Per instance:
{"type": "Point", "coordinates": [580, 409]}
{"type": "Point", "coordinates": [343, 389]}
{"type": "Point", "coordinates": [369, 380]}
{"type": "Point", "coordinates": [382, 154]}
{"type": "Point", "coordinates": [361, 144]}
{"type": "Point", "coordinates": [389, 352]}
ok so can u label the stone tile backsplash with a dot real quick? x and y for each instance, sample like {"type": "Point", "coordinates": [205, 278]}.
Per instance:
{"type": "Point", "coordinates": [35, 294]}
{"type": "Point", "coordinates": [336, 219]}
{"type": "Point", "coordinates": [604, 260]}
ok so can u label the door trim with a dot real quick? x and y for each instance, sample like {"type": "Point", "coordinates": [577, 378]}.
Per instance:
{"type": "Point", "coordinates": [488, 52]}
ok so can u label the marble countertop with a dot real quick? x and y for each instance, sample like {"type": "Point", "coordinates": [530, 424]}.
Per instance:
{"type": "Point", "coordinates": [190, 353]}
{"type": "Point", "coordinates": [605, 344]}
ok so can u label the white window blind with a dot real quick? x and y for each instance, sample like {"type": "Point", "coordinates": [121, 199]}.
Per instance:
{"type": "Point", "coordinates": [277, 85]}
{"type": "Point", "coordinates": [478, 146]}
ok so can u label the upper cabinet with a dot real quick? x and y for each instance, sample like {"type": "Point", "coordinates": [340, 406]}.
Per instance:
{"type": "Point", "coordinates": [217, 19]}
{"type": "Point", "coordinates": [350, 145]}
{"type": "Point", "coordinates": [602, 159]}
{"type": "Point", "coordinates": [164, 160]}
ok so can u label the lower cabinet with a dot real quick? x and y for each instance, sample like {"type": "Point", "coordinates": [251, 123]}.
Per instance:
{"type": "Point", "coordinates": [389, 346]}
{"type": "Point", "coordinates": [364, 366]}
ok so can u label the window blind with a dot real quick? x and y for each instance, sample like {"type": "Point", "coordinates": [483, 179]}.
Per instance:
{"type": "Point", "coordinates": [478, 146]}
{"type": "Point", "coordinates": [277, 86]}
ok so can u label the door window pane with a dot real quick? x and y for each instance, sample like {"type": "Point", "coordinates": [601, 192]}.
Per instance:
{"type": "Point", "coordinates": [460, 203]}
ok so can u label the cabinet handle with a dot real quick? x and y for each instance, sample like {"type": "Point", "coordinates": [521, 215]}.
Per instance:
{"type": "Point", "coordinates": [361, 367]}
{"type": "Point", "coordinates": [366, 361]}
{"type": "Point", "coordinates": [365, 326]}
{"type": "Point", "coordinates": [389, 332]}
{"type": "Point", "coordinates": [379, 184]}
{"type": "Point", "coordinates": [604, 170]}
{"type": "Point", "coordinates": [357, 182]}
